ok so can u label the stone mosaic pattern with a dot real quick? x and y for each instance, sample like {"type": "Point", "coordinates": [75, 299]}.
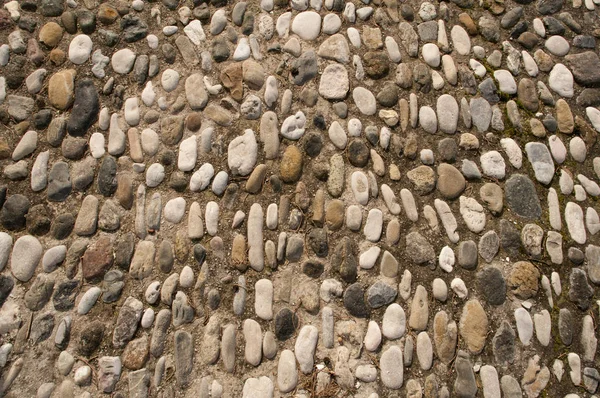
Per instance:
{"type": "Point", "coordinates": [339, 198]}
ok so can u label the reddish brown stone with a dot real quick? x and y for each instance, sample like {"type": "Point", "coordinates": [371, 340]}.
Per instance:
{"type": "Point", "coordinates": [97, 259]}
{"type": "Point", "coordinates": [136, 353]}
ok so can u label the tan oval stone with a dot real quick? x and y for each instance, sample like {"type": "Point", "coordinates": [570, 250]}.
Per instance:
{"type": "Point", "coordinates": [473, 326]}
{"type": "Point", "coordinates": [564, 117]}
{"type": "Point", "coordinates": [291, 164]}
{"type": "Point", "coordinates": [60, 89]}
{"type": "Point", "coordinates": [51, 34]}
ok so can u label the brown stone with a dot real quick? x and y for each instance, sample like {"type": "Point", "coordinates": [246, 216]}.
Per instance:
{"type": "Point", "coordinates": [564, 117]}
{"type": "Point", "coordinates": [51, 34]}
{"type": "Point", "coordinates": [544, 62]}
{"type": "Point", "coordinates": [423, 179]}
{"type": "Point", "coordinates": [97, 259]}
{"type": "Point", "coordinates": [60, 89]}
{"type": "Point", "coordinates": [124, 193]}
{"type": "Point", "coordinates": [193, 121]}
{"type": "Point", "coordinates": [257, 177]}
{"type": "Point", "coordinates": [318, 208]}
{"type": "Point", "coordinates": [231, 77]}
{"type": "Point", "coordinates": [445, 336]}
{"type": "Point", "coordinates": [291, 164]}
{"type": "Point", "coordinates": [135, 354]}
{"type": "Point", "coordinates": [107, 14]}
{"type": "Point", "coordinates": [334, 215]}
{"type": "Point", "coordinates": [253, 74]}
{"type": "Point", "coordinates": [4, 149]}
{"type": "Point", "coordinates": [451, 183]}
{"type": "Point", "coordinates": [466, 20]}
{"type": "Point", "coordinates": [523, 280]}
{"type": "Point", "coordinates": [238, 252]}
{"type": "Point", "coordinates": [57, 56]}
{"type": "Point", "coordinates": [474, 326]}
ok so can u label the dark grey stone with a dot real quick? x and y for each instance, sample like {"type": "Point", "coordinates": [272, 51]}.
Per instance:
{"type": "Point", "coordinates": [521, 197]}
{"type": "Point", "coordinates": [354, 301]}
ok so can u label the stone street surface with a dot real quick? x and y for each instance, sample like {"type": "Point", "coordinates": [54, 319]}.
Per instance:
{"type": "Point", "coordinates": [304, 198]}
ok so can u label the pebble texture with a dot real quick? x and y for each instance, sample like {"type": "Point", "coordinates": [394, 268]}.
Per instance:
{"type": "Point", "coordinates": [307, 197]}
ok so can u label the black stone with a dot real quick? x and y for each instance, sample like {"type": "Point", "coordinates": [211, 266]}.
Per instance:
{"type": "Point", "coordinates": [41, 327]}
{"type": "Point", "coordinates": [3, 191]}
{"type": "Point", "coordinates": [134, 28]}
{"type": "Point", "coordinates": [388, 96]}
{"type": "Point", "coordinates": [90, 338]}
{"type": "Point", "coordinates": [69, 21]}
{"type": "Point", "coordinates": [492, 285]}
{"type": "Point", "coordinates": [380, 294]}
{"type": "Point", "coordinates": [28, 5]}
{"type": "Point", "coordinates": [317, 239]}
{"type": "Point", "coordinates": [521, 197]}
{"type": "Point", "coordinates": [113, 286]}
{"type": "Point", "coordinates": [467, 79]}
{"type": "Point", "coordinates": [199, 253]}
{"type": "Point", "coordinates": [575, 255]}
{"type": "Point", "coordinates": [140, 69]}
{"type": "Point", "coordinates": [213, 299]}
{"type": "Point", "coordinates": [167, 157]}
{"type": "Point", "coordinates": [51, 8]}
{"type": "Point", "coordinates": [14, 211]}
{"type": "Point", "coordinates": [304, 68]}
{"type": "Point", "coordinates": [448, 149]}
{"type": "Point", "coordinates": [59, 182]}
{"type": "Point", "coordinates": [313, 144]}
{"type": "Point", "coordinates": [27, 23]}
{"type": "Point", "coordinates": [344, 259]}
{"type": "Point", "coordinates": [510, 238]}
{"type": "Point", "coordinates": [376, 64]}
{"type": "Point", "coordinates": [358, 153]}
{"type": "Point", "coordinates": [286, 323]}
{"type": "Point", "coordinates": [107, 176]}
{"type": "Point", "coordinates": [38, 220]}
{"type": "Point", "coordinates": [503, 344]}
{"type": "Point", "coordinates": [42, 119]}
{"type": "Point", "coordinates": [553, 26]}
{"type": "Point", "coordinates": [547, 7]}
{"type": "Point", "coordinates": [519, 29]}
{"type": "Point", "coordinates": [407, 12]}
{"type": "Point", "coordinates": [372, 135]}
{"type": "Point", "coordinates": [15, 71]}
{"type": "Point", "coordinates": [6, 286]}
{"type": "Point", "coordinates": [248, 24]}
{"type": "Point", "coordinates": [87, 21]}
{"type": "Point", "coordinates": [319, 122]}
{"type": "Point", "coordinates": [580, 291]}
{"type": "Point", "coordinates": [489, 91]}
{"type": "Point", "coordinates": [313, 268]}
{"type": "Point", "coordinates": [109, 37]}
{"type": "Point", "coordinates": [124, 248]}
{"type": "Point", "coordinates": [73, 148]}
{"type": "Point", "coordinates": [565, 326]}
{"type": "Point", "coordinates": [550, 123]}
{"type": "Point", "coordinates": [65, 294]}
{"type": "Point", "coordinates": [40, 292]}
{"type": "Point", "coordinates": [467, 254]}
{"type": "Point", "coordinates": [584, 41]}
{"type": "Point", "coordinates": [85, 108]}
{"type": "Point", "coordinates": [220, 50]}
{"type": "Point", "coordinates": [422, 78]}
{"type": "Point", "coordinates": [62, 226]}
{"type": "Point", "coordinates": [585, 67]}
{"type": "Point", "coordinates": [354, 301]}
